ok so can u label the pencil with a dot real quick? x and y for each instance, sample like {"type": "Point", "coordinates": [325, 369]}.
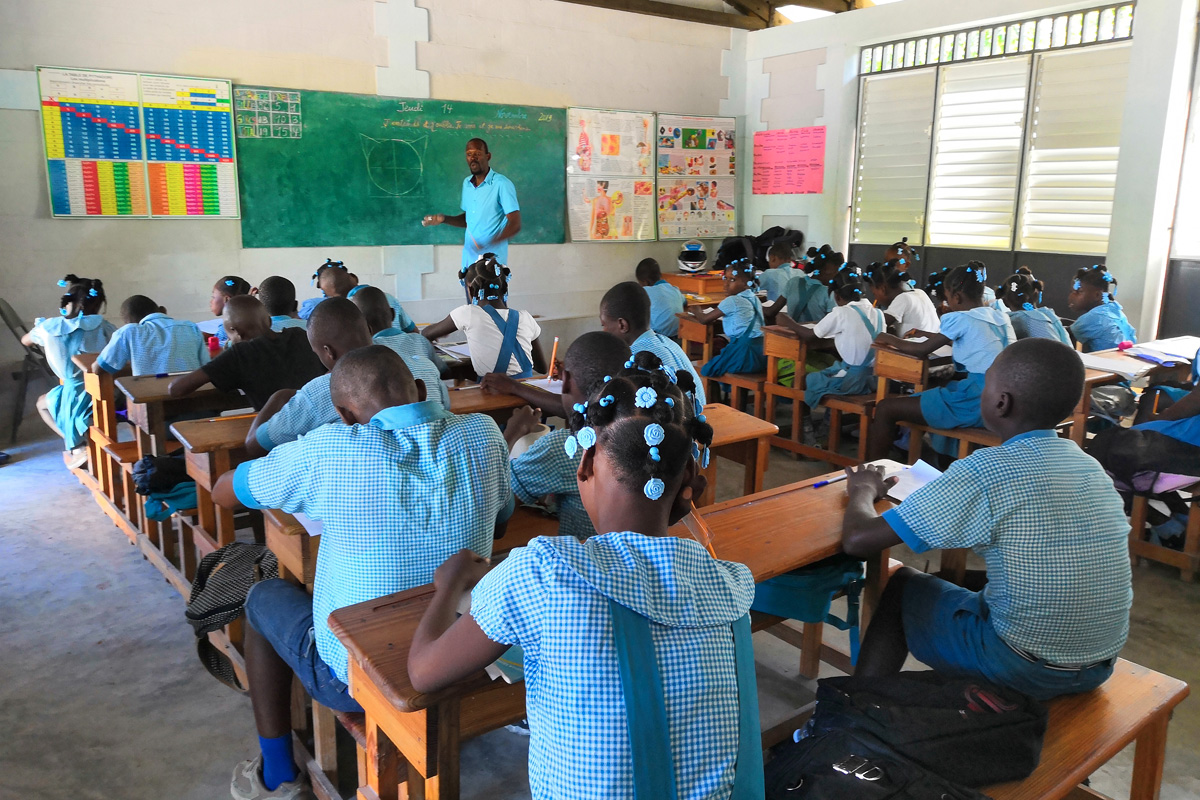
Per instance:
{"type": "Point", "coordinates": [553, 356]}
{"type": "Point", "coordinates": [700, 530]}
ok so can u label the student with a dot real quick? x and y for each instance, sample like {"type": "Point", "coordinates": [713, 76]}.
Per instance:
{"type": "Point", "coordinates": [625, 313]}
{"type": "Point", "coordinates": [1044, 516]}
{"type": "Point", "coordinates": [806, 295]}
{"type": "Point", "coordinates": [373, 304]}
{"type": "Point", "coordinates": [780, 269]}
{"type": "Point", "coordinates": [570, 603]}
{"type": "Point", "coordinates": [546, 468]}
{"type": "Point", "coordinates": [907, 307]}
{"type": "Point", "coordinates": [1022, 297]}
{"type": "Point", "coordinates": [278, 294]}
{"type": "Point", "coordinates": [225, 288]}
{"type": "Point", "coordinates": [334, 329]}
{"type": "Point", "coordinates": [501, 339]}
{"type": "Point", "coordinates": [853, 326]}
{"type": "Point", "coordinates": [259, 361]}
{"type": "Point", "coordinates": [1101, 324]}
{"type": "Point", "coordinates": [743, 324]}
{"type": "Point", "coordinates": [334, 280]}
{"type": "Point", "coordinates": [977, 333]}
{"type": "Point", "coordinates": [665, 300]}
{"type": "Point", "coordinates": [935, 287]}
{"type": "Point", "coordinates": [400, 487]}
{"type": "Point", "coordinates": [151, 343]}
{"type": "Point", "coordinates": [79, 328]}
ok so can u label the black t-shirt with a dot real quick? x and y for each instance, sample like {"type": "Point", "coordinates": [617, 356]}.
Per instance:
{"type": "Point", "coordinates": [263, 366]}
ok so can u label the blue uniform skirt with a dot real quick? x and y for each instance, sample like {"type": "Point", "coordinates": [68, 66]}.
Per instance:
{"type": "Point", "coordinates": [857, 380]}
{"type": "Point", "coordinates": [740, 356]}
{"type": "Point", "coordinates": [71, 408]}
{"type": "Point", "coordinates": [956, 405]}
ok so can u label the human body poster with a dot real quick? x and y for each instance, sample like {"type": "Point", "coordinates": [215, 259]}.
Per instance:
{"type": "Point", "coordinates": [696, 176]}
{"type": "Point", "coordinates": [610, 175]}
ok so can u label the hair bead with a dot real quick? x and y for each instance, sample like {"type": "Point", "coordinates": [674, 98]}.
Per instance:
{"type": "Point", "coordinates": [571, 446]}
{"type": "Point", "coordinates": [63, 284]}
{"type": "Point", "coordinates": [654, 454]}
{"type": "Point", "coordinates": [1027, 306]}
{"type": "Point", "coordinates": [586, 437]}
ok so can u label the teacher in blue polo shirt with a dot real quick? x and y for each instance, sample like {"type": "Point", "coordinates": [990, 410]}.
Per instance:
{"type": "Point", "coordinates": [490, 211]}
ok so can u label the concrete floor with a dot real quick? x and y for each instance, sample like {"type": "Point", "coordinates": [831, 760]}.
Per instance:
{"type": "Point", "coordinates": [102, 697]}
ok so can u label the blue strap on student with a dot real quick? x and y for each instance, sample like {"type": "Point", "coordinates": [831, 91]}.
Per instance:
{"type": "Point", "coordinates": [646, 710]}
{"type": "Point", "coordinates": [509, 347]}
{"type": "Point", "coordinates": [872, 329]}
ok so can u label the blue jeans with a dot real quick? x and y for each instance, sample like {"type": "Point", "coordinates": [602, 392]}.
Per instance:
{"type": "Point", "coordinates": [947, 628]}
{"type": "Point", "coordinates": [282, 614]}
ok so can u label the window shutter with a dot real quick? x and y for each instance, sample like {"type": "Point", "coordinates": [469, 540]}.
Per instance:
{"type": "Point", "coordinates": [1071, 156]}
{"type": "Point", "coordinates": [977, 154]}
{"type": "Point", "coordinates": [895, 120]}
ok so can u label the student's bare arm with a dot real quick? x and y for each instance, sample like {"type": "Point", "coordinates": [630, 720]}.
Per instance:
{"type": "Point", "coordinates": [864, 532]}
{"type": "Point", "coordinates": [27, 339]}
{"type": "Point", "coordinates": [707, 315]}
{"type": "Point", "coordinates": [499, 383]}
{"type": "Point", "coordinates": [439, 329]}
{"type": "Point", "coordinates": [276, 402]}
{"type": "Point", "coordinates": [445, 649]}
{"type": "Point", "coordinates": [933, 341]}
{"type": "Point", "coordinates": [223, 494]}
{"type": "Point", "coordinates": [805, 332]}
{"type": "Point", "coordinates": [537, 356]}
{"type": "Point", "coordinates": [1188, 406]}
{"type": "Point", "coordinates": [186, 384]}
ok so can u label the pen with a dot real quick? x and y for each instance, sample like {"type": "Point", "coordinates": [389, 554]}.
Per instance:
{"type": "Point", "coordinates": [834, 479]}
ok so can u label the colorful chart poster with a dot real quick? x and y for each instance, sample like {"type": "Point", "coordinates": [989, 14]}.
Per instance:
{"type": "Point", "coordinates": [132, 145]}
{"type": "Point", "coordinates": [267, 114]}
{"type": "Point", "coordinates": [609, 143]}
{"type": "Point", "coordinates": [790, 161]}
{"type": "Point", "coordinates": [697, 166]}
{"type": "Point", "coordinates": [610, 175]}
{"type": "Point", "coordinates": [610, 209]}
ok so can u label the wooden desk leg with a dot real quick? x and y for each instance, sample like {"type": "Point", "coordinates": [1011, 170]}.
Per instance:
{"type": "Point", "coordinates": [1148, 757]}
{"type": "Point", "coordinates": [382, 777]}
{"type": "Point", "coordinates": [756, 475]}
{"type": "Point", "coordinates": [445, 785]}
{"type": "Point", "coordinates": [146, 525]}
{"type": "Point", "coordinates": [1191, 542]}
{"type": "Point", "coordinates": [1137, 524]}
{"type": "Point", "coordinates": [225, 532]}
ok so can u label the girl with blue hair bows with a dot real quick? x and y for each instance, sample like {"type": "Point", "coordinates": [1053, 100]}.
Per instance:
{"type": "Point", "coordinates": [743, 322]}
{"type": "Point", "coordinates": [1101, 324]}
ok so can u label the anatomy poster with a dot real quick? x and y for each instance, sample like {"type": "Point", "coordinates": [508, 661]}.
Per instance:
{"type": "Point", "coordinates": [699, 146]}
{"type": "Point", "coordinates": [610, 209]}
{"type": "Point", "coordinates": [691, 208]}
{"type": "Point", "coordinates": [696, 166]}
{"type": "Point", "coordinates": [609, 143]}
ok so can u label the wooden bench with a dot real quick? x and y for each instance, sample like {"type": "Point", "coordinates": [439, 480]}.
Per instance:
{"type": "Point", "coordinates": [1186, 561]}
{"type": "Point", "coordinates": [740, 384]}
{"type": "Point", "coordinates": [1086, 730]}
{"type": "Point", "coordinates": [124, 507]}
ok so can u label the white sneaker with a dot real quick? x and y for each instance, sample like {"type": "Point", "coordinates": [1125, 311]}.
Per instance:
{"type": "Point", "coordinates": [77, 458]}
{"type": "Point", "coordinates": [247, 784]}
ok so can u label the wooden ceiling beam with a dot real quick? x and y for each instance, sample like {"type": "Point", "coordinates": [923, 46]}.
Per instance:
{"type": "Point", "coordinates": [836, 6]}
{"type": "Point", "coordinates": [762, 10]}
{"type": "Point", "coordinates": [655, 8]}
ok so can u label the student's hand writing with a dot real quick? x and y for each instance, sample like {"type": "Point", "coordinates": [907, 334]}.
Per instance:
{"type": "Point", "coordinates": [868, 477]}
{"type": "Point", "coordinates": [497, 383]}
{"type": "Point", "coordinates": [460, 572]}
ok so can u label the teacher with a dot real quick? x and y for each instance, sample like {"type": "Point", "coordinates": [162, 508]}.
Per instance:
{"type": "Point", "coordinates": [490, 211]}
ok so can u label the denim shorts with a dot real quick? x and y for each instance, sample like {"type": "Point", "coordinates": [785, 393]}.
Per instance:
{"type": "Point", "coordinates": [947, 628]}
{"type": "Point", "coordinates": [282, 613]}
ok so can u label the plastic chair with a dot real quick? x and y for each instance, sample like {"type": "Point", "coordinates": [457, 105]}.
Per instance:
{"type": "Point", "coordinates": [34, 364]}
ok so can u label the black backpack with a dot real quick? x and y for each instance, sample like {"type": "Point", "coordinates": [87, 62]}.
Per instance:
{"type": "Point", "coordinates": [159, 474]}
{"type": "Point", "coordinates": [1136, 457]}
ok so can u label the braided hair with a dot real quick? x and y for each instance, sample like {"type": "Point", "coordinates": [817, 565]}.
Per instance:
{"type": "Point", "coordinates": [967, 280]}
{"type": "Point", "coordinates": [743, 267]}
{"type": "Point", "coordinates": [86, 294]}
{"type": "Point", "coordinates": [935, 286]}
{"type": "Point", "coordinates": [892, 274]}
{"type": "Point", "coordinates": [486, 279]}
{"type": "Point", "coordinates": [905, 254]}
{"type": "Point", "coordinates": [826, 258]}
{"type": "Point", "coordinates": [1097, 276]}
{"type": "Point", "coordinates": [329, 264]}
{"type": "Point", "coordinates": [232, 286]}
{"type": "Point", "coordinates": [1021, 290]}
{"type": "Point", "coordinates": [848, 283]}
{"type": "Point", "coordinates": [643, 421]}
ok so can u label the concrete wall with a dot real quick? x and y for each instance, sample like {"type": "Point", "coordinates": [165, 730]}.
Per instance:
{"type": "Point", "coordinates": [826, 51]}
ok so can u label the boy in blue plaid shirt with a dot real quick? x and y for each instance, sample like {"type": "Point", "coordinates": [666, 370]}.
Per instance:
{"type": "Point", "coordinates": [400, 487]}
{"type": "Point", "coordinates": [151, 343]}
{"type": "Point", "coordinates": [1045, 517]}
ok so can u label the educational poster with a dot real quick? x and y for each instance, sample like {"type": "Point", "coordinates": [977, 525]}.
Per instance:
{"type": "Point", "coordinates": [790, 161]}
{"type": "Point", "coordinates": [610, 209]}
{"type": "Point", "coordinates": [267, 113]}
{"type": "Point", "coordinates": [690, 208]}
{"type": "Point", "coordinates": [609, 142]}
{"type": "Point", "coordinates": [130, 145]}
{"type": "Point", "coordinates": [697, 166]}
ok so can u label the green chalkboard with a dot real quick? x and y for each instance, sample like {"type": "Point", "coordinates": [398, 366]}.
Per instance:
{"type": "Point", "coordinates": [365, 169]}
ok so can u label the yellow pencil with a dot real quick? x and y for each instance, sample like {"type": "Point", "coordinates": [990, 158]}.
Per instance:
{"type": "Point", "coordinates": [699, 530]}
{"type": "Point", "coordinates": [553, 356]}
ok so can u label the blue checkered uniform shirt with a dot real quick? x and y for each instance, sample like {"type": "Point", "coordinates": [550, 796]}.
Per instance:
{"type": "Point", "coordinates": [421, 367]}
{"type": "Point", "coordinates": [545, 468]}
{"type": "Point", "coordinates": [397, 498]}
{"type": "Point", "coordinates": [1103, 328]}
{"type": "Point", "coordinates": [665, 302]}
{"type": "Point", "coordinates": [774, 281]}
{"type": "Point", "coordinates": [1053, 531]}
{"type": "Point", "coordinates": [406, 344]}
{"type": "Point", "coordinates": [156, 344]}
{"type": "Point", "coordinates": [552, 599]}
{"type": "Point", "coordinates": [400, 317]}
{"type": "Point", "coordinates": [671, 355]}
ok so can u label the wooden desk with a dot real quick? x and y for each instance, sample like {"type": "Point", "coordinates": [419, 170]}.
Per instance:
{"type": "Point", "coordinates": [698, 301]}
{"type": "Point", "coordinates": [471, 399]}
{"type": "Point", "coordinates": [694, 332]}
{"type": "Point", "coordinates": [739, 437]}
{"type": "Point", "coordinates": [697, 282]}
{"type": "Point", "coordinates": [212, 447]}
{"type": "Point", "coordinates": [892, 365]}
{"type": "Point", "coordinates": [1092, 378]}
{"type": "Point", "coordinates": [417, 737]}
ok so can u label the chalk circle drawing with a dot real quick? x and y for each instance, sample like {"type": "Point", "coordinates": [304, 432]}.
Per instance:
{"type": "Point", "coordinates": [395, 167]}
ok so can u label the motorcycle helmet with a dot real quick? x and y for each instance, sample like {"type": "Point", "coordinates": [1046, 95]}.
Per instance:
{"type": "Point", "coordinates": [693, 257]}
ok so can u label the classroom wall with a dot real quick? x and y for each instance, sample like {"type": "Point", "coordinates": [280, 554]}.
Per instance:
{"type": "Point", "coordinates": [529, 51]}
{"type": "Point", "coordinates": [820, 62]}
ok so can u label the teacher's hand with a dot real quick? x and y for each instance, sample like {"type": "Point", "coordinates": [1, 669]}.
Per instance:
{"type": "Point", "coordinates": [433, 219]}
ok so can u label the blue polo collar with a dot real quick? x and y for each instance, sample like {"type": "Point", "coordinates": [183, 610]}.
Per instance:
{"type": "Point", "coordinates": [399, 417]}
{"type": "Point", "coordinates": [1038, 434]}
{"type": "Point", "coordinates": [388, 332]}
{"type": "Point", "coordinates": [660, 282]}
{"type": "Point", "coordinates": [155, 315]}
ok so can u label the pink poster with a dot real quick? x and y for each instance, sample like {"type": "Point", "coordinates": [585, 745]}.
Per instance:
{"type": "Point", "coordinates": [789, 161]}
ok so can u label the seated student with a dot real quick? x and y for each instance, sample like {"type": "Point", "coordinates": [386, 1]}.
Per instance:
{"type": "Point", "coordinates": [373, 304]}
{"type": "Point", "coordinates": [80, 328]}
{"type": "Point", "coordinates": [1101, 324]}
{"type": "Point", "coordinates": [225, 288]}
{"type": "Point", "coordinates": [625, 313]}
{"type": "Point", "coordinates": [151, 343]}
{"type": "Point", "coordinates": [546, 468]}
{"type": "Point", "coordinates": [278, 294]}
{"type": "Point", "coordinates": [977, 334]}
{"type": "Point", "coordinates": [743, 323]}
{"type": "Point", "coordinates": [259, 361]}
{"type": "Point", "coordinates": [1022, 297]}
{"type": "Point", "coordinates": [334, 280]}
{"type": "Point", "coordinates": [501, 339]}
{"type": "Point", "coordinates": [569, 604]}
{"type": "Point", "coordinates": [895, 290]}
{"type": "Point", "coordinates": [335, 328]}
{"type": "Point", "coordinates": [665, 300]}
{"type": "Point", "coordinates": [780, 269]}
{"type": "Point", "coordinates": [400, 487]}
{"type": "Point", "coordinates": [1044, 516]}
{"type": "Point", "coordinates": [806, 295]}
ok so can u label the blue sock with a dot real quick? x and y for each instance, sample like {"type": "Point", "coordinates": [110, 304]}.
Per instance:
{"type": "Point", "coordinates": [278, 766]}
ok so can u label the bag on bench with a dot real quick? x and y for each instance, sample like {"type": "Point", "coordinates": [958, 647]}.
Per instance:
{"type": "Point", "coordinates": [159, 473]}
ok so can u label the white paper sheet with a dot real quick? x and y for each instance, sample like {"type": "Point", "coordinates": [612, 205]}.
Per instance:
{"type": "Point", "coordinates": [313, 526]}
{"type": "Point", "coordinates": [455, 350]}
{"type": "Point", "coordinates": [209, 326]}
{"type": "Point", "coordinates": [545, 384]}
{"type": "Point", "coordinates": [911, 479]}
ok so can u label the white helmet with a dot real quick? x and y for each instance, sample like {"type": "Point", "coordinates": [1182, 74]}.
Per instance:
{"type": "Point", "coordinates": [693, 257]}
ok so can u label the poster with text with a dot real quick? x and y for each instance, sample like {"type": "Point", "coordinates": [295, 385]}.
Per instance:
{"type": "Point", "coordinates": [696, 146]}
{"type": "Point", "coordinates": [610, 209]}
{"type": "Point", "coordinates": [790, 161]}
{"type": "Point", "coordinates": [691, 208]}
{"type": "Point", "coordinates": [609, 143]}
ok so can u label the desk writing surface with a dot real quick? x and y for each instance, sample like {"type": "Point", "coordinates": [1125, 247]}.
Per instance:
{"type": "Point", "coordinates": [473, 400]}
{"type": "Point", "coordinates": [149, 389]}
{"type": "Point", "coordinates": [730, 425]}
{"type": "Point", "coordinates": [218, 433]}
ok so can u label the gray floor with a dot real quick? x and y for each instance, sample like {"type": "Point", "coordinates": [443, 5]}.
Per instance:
{"type": "Point", "coordinates": [101, 695]}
